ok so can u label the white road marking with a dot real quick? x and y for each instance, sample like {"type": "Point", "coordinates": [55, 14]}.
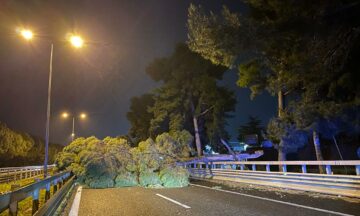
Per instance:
{"type": "Point", "coordinates": [174, 201]}
{"type": "Point", "coordinates": [74, 211]}
{"type": "Point", "coordinates": [276, 201]}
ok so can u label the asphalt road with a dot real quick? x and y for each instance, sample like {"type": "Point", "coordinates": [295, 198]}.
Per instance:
{"type": "Point", "coordinates": [204, 200]}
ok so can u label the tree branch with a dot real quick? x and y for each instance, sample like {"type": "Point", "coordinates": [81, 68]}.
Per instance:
{"type": "Point", "coordinates": [206, 111]}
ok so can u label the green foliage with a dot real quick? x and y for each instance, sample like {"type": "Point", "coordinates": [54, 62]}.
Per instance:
{"type": "Point", "coordinates": [13, 143]}
{"type": "Point", "coordinates": [253, 126]}
{"type": "Point", "coordinates": [149, 179]}
{"type": "Point", "coordinates": [306, 50]}
{"type": "Point", "coordinates": [140, 117]}
{"type": "Point", "coordinates": [111, 162]}
{"type": "Point", "coordinates": [190, 90]}
{"type": "Point", "coordinates": [174, 177]}
{"type": "Point", "coordinates": [287, 137]}
{"type": "Point", "coordinates": [22, 149]}
{"type": "Point", "coordinates": [126, 179]}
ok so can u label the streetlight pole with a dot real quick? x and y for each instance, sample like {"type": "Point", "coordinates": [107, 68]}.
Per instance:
{"type": "Point", "coordinates": [77, 42]}
{"type": "Point", "coordinates": [81, 116]}
{"type": "Point", "coordinates": [48, 113]}
{"type": "Point", "coordinates": [73, 129]}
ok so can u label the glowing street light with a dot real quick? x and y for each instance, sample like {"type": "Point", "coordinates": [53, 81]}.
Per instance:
{"type": "Point", "coordinates": [81, 116]}
{"type": "Point", "coordinates": [26, 34]}
{"type": "Point", "coordinates": [76, 41]}
{"type": "Point", "coordinates": [65, 115]}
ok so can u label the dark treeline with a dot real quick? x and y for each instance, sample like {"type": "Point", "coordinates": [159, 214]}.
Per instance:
{"type": "Point", "coordinates": [22, 149]}
{"type": "Point", "coordinates": [303, 52]}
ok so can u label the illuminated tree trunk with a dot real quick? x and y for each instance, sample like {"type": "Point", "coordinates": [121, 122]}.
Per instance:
{"type": "Point", "coordinates": [197, 136]}
{"type": "Point", "coordinates": [281, 155]}
{"type": "Point", "coordinates": [196, 130]}
{"type": "Point", "coordinates": [318, 153]}
{"type": "Point", "coordinates": [280, 103]}
{"type": "Point", "coordinates": [281, 152]}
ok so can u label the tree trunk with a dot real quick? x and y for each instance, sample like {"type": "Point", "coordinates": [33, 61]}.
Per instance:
{"type": "Point", "coordinates": [319, 155]}
{"type": "Point", "coordinates": [197, 136]}
{"type": "Point", "coordinates": [229, 149]}
{"type": "Point", "coordinates": [281, 155]}
{"type": "Point", "coordinates": [281, 152]}
{"type": "Point", "coordinates": [280, 103]}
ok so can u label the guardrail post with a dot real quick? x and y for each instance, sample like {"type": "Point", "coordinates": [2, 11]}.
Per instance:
{"type": "Point", "coordinates": [303, 168]}
{"type": "Point", "coordinates": [328, 169]}
{"type": "Point", "coordinates": [284, 169]}
{"type": "Point", "coordinates": [35, 202]}
{"type": "Point", "coordinates": [55, 186]}
{"type": "Point", "coordinates": [267, 167]}
{"type": "Point", "coordinates": [253, 167]}
{"type": "Point", "coordinates": [13, 208]}
{"type": "Point", "coordinates": [357, 167]}
{"type": "Point", "coordinates": [241, 166]}
{"type": "Point", "coordinates": [47, 192]}
{"type": "Point", "coordinates": [60, 182]}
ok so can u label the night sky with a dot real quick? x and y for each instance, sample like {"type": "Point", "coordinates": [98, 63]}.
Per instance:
{"type": "Point", "coordinates": [100, 78]}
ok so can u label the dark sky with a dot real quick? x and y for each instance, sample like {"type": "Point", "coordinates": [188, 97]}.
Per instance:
{"type": "Point", "coordinates": [100, 78]}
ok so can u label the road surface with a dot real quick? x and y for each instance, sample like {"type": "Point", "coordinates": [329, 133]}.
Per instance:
{"type": "Point", "coordinates": [205, 200]}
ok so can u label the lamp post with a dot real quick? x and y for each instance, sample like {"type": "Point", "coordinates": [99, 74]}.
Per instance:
{"type": "Point", "coordinates": [81, 116]}
{"type": "Point", "coordinates": [77, 42]}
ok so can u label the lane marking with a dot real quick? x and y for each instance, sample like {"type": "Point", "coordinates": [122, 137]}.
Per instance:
{"type": "Point", "coordinates": [174, 201]}
{"type": "Point", "coordinates": [74, 211]}
{"type": "Point", "coordinates": [276, 201]}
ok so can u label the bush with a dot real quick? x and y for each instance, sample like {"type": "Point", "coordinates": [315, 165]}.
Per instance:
{"type": "Point", "coordinates": [126, 179]}
{"type": "Point", "coordinates": [174, 177]}
{"type": "Point", "coordinates": [102, 181]}
{"type": "Point", "coordinates": [149, 179]}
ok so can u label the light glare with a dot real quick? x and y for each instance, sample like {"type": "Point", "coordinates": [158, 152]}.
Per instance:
{"type": "Point", "coordinates": [76, 41]}
{"type": "Point", "coordinates": [65, 115]}
{"type": "Point", "coordinates": [27, 34]}
{"type": "Point", "coordinates": [82, 115]}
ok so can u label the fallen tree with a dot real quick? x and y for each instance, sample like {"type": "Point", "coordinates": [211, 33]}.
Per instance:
{"type": "Point", "coordinates": [111, 162]}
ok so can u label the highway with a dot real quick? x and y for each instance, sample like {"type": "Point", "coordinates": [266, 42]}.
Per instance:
{"type": "Point", "coordinates": [204, 199]}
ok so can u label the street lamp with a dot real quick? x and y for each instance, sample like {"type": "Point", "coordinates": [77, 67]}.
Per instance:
{"type": "Point", "coordinates": [26, 34]}
{"type": "Point", "coordinates": [81, 116]}
{"type": "Point", "coordinates": [77, 42]}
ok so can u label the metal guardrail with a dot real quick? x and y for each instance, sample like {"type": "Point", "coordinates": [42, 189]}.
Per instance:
{"type": "Point", "coordinates": [51, 206]}
{"type": "Point", "coordinates": [10, 200]}
{"type": "Point", "coordinates": [268, 164]}
{"type": "Point", "coordinates": [9, 174]}
{"type": "Point", "coordinates": [248, 172]}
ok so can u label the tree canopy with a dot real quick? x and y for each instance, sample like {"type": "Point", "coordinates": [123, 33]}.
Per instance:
{"type": "Point", "coordinates": [253, 126]}
{"type": "Point", "coordinates": [189, 98]}
{"type": "Point", "coordinates": [302, 49]}
{"type": "Point", "coordinates": [22, 149]}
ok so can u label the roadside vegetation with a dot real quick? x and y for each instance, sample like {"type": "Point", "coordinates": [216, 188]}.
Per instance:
{"type": "Point", "coordinates": [111, 162]}
{"type": "Point", "coordinates": [22, 149]}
